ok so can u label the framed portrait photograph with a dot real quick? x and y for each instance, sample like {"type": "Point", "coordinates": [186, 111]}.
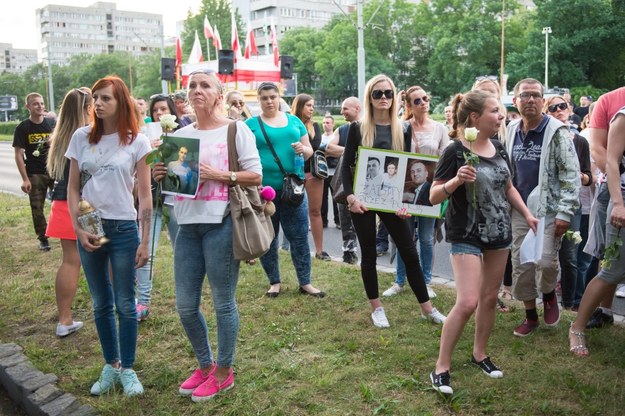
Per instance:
{"type": "Point", "coordinates": [386, 180]}
{"type": "Point", "coordinates": [183, 167]}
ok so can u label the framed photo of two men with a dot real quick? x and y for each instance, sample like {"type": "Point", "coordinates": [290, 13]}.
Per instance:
{"type": "Point", "coordinates": [386, 180]}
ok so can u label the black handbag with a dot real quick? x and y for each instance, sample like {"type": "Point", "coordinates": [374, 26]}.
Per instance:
{"type": "Point", "coordinates": [292, 185]}
{"type": "Point", "coordinates": [319, 165]}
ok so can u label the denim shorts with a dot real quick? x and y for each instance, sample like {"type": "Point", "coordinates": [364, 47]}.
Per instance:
{"type": "Point", "coordinates": [465, 248]}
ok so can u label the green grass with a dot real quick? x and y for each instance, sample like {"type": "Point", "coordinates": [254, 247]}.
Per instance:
{"type": "Point", "coordinates": [302, 356]}
{"type": "Point", "coordinates": [6, 138]}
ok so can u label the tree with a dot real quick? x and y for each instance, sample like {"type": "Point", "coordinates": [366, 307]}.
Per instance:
{"type": "Point", "coordinates": [585, 46]}
{"type": "Point", "coordinates": [466, 38]}
{"type": "Point", "coordinates": [304, 44]}
{"type": "Point", "coordinates": [218, 14]}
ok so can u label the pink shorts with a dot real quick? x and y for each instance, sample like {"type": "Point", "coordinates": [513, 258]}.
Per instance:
{"type": "Point", "coordinates": [60, 223]}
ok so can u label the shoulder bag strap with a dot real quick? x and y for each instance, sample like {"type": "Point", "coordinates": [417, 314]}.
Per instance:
{"type": "Point", "coordinates": [273, 152]}
{"type": "Point", "coordinates": [233, 157]}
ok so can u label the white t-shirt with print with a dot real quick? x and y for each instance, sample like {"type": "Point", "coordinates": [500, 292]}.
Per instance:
{"type": "Point", "coordinates": [113, 170]}
{"type": "Point", "coordinates": [211, 201]}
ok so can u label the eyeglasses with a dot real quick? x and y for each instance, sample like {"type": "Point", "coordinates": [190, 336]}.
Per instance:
{"type": "Point", "coordinates": [203, 71]}
{"type": "Point", "coordinates": [238, 103]}
{"type": "Point", "coordinates": [554, 107]}
{"type": "Point", "coordinates": [377, 94]}
{"type": "Point", "coordinates": [525, 96]}
{"type": "Point", "coordinates": [424, 99]}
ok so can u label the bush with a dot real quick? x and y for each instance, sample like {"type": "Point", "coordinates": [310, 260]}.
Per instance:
{"type": "Point", "coordinates": [8, 127]}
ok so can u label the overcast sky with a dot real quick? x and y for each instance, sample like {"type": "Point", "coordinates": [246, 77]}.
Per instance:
{"type": "Point", "coordinates": [18, 23]}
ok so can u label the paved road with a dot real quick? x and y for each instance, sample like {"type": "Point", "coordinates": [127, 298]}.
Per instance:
{"type": "Point", "coordinates": [10, 180]}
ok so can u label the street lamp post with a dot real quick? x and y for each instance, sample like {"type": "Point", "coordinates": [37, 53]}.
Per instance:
{"type": "Point", "coordinates": [546, 32]}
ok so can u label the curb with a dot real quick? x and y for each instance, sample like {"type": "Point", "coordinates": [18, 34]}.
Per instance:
{"type": "Point", "coordinates": [33, 390]}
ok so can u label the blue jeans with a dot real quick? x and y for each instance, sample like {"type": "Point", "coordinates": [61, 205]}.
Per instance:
{"type": "Point", "coordinates": [583, 260]}
{"type": "Point", "coordinates": [425, 236]}
{"type": "Point", "coordinates": [144, 282]}
{"type": "Point", "coordinates": [119, 253]}
{"type": "Point", "coordinates": [206, 250]}
{"type": "Point", "coordinates": [569, 276]}
{"type": "Point", "coordinates": [294, 222]}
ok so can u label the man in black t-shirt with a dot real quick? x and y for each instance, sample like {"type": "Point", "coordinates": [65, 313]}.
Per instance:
{"type": "Point", "coordinates": [31, 144]}
{"type": "Point", "coordinates": [350, 109]}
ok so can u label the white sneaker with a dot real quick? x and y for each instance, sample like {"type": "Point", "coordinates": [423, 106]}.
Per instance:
{"type": "Point", "coordinates": [620, 292]}
{"type": "Point", "coordinates": [395, 289]}
{"type": "Point", "coordinates": [435, 316]}
{"type": "Point", "coordinates": [65, 330]}
{"type": "Point", "coordinates": [379, 318]}
{"type": "Point", "coordinates": [431, 292]}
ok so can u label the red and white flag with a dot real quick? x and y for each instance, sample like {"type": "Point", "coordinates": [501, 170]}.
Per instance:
{"type": "Point", "coordinates": [250, 43]}
{"type": "Point", "coordinates": [178, 52]}
{"type": "Point", "coordinates": [235, 37]}
{"type": "Point", "coordinates": [208, 31]}
{"type": "Point", "coordinates": [273, 36]}
{"type": "Point", "coordinates": [196, 52]}
{"type": "Point", "coordinates": [216, 39]}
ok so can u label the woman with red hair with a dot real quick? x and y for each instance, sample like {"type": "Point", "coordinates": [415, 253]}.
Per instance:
{"type": "Point", "coordinates": [104, 158]}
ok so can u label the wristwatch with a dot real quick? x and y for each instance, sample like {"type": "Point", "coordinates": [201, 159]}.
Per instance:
{"type": "Point", "coordinates": [233, 177]}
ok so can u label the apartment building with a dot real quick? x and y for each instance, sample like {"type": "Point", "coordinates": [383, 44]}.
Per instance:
{"type": "Point", "coordinates": [16, 60]}
{"type": "Point", "coordinates": [100, 28]}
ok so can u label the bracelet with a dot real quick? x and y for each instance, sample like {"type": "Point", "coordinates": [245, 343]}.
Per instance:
{"type": "Point", "coordinates": [445, 190]}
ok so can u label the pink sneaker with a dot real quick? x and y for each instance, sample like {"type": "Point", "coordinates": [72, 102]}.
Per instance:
{"type": "Point", "coordinates": [193, 382]}
{"type": "Point", "coordinates": [212, 387]}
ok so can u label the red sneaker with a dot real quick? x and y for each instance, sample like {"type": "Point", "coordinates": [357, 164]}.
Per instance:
{"type": "Point", "coordinates": [211, 387]}
{"type": "Point", "coordinates": [552, 312]}
{"type": "Point", "coordinates": [526, 328]}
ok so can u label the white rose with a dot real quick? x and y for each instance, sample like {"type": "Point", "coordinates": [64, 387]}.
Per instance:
{"type": "Point", "coordinates": [168, 122]}
{"type": "Point", "coordinates": [470, 134]}
{"type": "Point", "coordinates": [36, 153]}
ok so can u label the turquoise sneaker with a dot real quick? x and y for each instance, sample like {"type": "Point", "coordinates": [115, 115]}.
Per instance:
{"type": "Point", "coordinates": [107, 380]}
{"type": "Point", "coordinates": [132, 385]}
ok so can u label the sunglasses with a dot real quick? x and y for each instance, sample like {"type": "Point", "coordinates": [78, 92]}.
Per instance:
{"type": "Point", "coordinates": [160, 96]}
{"type": "Point", "coordinates": [238, 103]}
{"type": "Point", "coordinates": [554, 107]}
{"type": "Point", "coordinates": [424, 99]}
{"type": "Point", "coordinates": [525, 96]}
{"type": "Point", "coordinates": [377, 94]}
{"type": "Point", "coordinates": [484, 77]}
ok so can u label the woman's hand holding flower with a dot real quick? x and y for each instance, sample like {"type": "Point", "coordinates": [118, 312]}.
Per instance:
{"type": "Point", "coordinates": [466, 173]}
{"type": "Point", "coordinates": [159, 171]}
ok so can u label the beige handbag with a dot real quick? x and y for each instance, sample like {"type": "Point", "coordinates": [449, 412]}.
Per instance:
{"type": "Point", "coordinates": [252, 230]}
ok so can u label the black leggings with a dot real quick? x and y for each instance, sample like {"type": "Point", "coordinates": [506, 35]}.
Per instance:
{"type": "Point", "coordinates": [399, 230]}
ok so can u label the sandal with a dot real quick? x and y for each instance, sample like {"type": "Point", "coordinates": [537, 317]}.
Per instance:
{"type": "Point", "coordinates": [506, 294]}
{"type": "Point", "coordinates": [579, 349]}
{"type": "Point", "coordinates": [501, 307]}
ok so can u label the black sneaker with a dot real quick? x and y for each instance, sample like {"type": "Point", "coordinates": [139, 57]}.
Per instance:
{"type": "Point", "coordinates": [441, 382]}
{"type": "Point", "coordinates": [44, 245]}
{"type": "Point", "coordinates": [350, 257]}
{"type": "Point", "coordinates": [487, 366]}
{"type": "Point", "coordinates": [323, 256]}
{"type": "Point", "coordinates": [598, 319]}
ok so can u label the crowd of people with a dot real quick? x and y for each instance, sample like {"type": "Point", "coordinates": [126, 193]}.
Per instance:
{"type": "Point", "coordinates": [502, 176]}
